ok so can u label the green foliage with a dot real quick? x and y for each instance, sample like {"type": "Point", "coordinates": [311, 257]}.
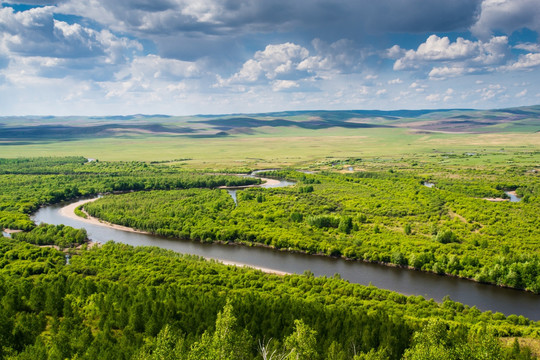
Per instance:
{"type": "Point", "coordinates": [26, 184]}
{"type": "Point", "coordinates": [446, 236]}
{"type": "Point", "coordinates": [437, 341]}
{"type": "Point", "coordinates": [365, 215]}
{"type": "Point", "coordinates": [305, 189]}
{"type": "Point", "coordinates": [323, 221]}
{"type": "Point", "coordinates": [407, 229]}
{"type": "Point", "coordinates": [60, 235]}
{"type": "Point", "coordinates": [121, 302]}
{"type": "Point", "coordinates": [301, 344]}
{"type": "Point", "coordinates": [227, 342]}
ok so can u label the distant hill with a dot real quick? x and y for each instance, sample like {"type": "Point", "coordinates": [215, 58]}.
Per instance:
{"type": "Point", "coordinates": [51, 128]}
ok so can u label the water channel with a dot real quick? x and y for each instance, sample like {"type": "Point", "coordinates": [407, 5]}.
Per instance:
{"type": "Point", "coordinates": [408, 282]}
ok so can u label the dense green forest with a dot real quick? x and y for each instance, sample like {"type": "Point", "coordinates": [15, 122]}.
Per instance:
{"type": "Point", "coordinates": [380, 216]}
{"type": "Point", "coordinates": [120, 302]}
{"type": "Point", "coordinates": [28, 183]}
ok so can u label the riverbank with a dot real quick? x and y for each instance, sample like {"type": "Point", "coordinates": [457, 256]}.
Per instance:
{"type": "Point", "coordinates": [266, 183]}
{"type": "Point", "coordinates": [283, 261]}
{"type": "Point", "coordinates": [7, 232]}
{"type": "Point", "coordinates": [69, 212]}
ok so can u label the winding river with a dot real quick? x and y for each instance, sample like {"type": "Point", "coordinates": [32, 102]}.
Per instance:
{"type": "Point", "coordinates": [408, 282]}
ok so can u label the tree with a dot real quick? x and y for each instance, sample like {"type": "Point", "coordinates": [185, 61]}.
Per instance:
{"type": "Point", "coordinates": [301, 343]}
{"type": "Point", "coordinates": [345, 224]}
{"type": "Point", "coordinates": [226, 343]}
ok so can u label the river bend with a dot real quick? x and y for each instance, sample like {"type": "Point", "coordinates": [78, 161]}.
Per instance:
{"type": "Point", "coordinates": [408, 282]}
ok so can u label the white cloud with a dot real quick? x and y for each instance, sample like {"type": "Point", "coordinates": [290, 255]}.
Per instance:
{"type": "Point", "coordinates": [521, 93]}
{"type": "Point", "coordinates": [524, 62]}
{"type": "Point", "coordinates": [280, 85]}
{"type": "Point", "coordinates": [442, 59]}
{"type": "Point", "coordinates": [35, 32]}
{"type": "Point", "coordinates": [530, 47]}
{"type": "Point", "coordinates": [446, 72]}
{"type": "Point", "coordinates": [433, 97]}
{"type": "Point", "coordinates": [506, 16]}
{"type": "Point", "coordinates": [395, 52]}
{"type": "Point", "coordinates": [152, 74]}
{"type": "Point", "coordinates": [438, 50]}
{"type": "Point", "coordinates": [381, 92]}
{"type": "Point", "coordinates": [395, 81]}
{"type": "Point", "coordinates": [155, 67]}
{"type": "Point", "coordinates": [274, 61]}
{"type": "Point", "coordinates": [291, 62]}
{"type": "Point", "coordinates": [491, 91]}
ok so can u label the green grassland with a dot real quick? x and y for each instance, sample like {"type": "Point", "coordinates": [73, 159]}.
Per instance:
{"type": "Point", "coordinates": [272, 140]}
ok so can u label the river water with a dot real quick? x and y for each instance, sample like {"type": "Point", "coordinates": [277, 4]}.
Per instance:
{"type": "Point", "coordinates": [408, 282]}
{"type": "Point", "coordinates": [513, 197]}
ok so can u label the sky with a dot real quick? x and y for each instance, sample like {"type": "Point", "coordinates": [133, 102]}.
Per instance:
{"type": "Point", "coordinates": [185, 57]}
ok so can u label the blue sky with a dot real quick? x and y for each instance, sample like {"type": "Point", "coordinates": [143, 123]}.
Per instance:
{"type": "Point", "coordinates": [181, 57]}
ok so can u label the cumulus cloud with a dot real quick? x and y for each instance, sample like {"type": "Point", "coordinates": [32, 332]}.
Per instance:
{"type": "Point", "coordinates": [455, 58]}
{"type": "Point", "coordinates": [443, 72]}
{"type": "Point", "coordinates": [323, 47]}
{"type": "Point", "coordinates": [530, 47]}
{"type": "Point", "coordinates": [288, 62]}
{"type": "Point", "coordinates": [230, 21]}
{"type": "Point", "coordinates": [157, 77]}
{"type": "Point", "coordinates": [491, 91]}
{"type": "Point", "coordinates": [280, 85]}
{"type": "Point", "coordinates": [506, 16]}
{"type": "Point", "coordinates": [395, 81]}
{"type": "Point", "coordinates": [36, 34]}
{"type": "Point", "coordinates": [275, 60]}
{"type": "Point", "coordinates": [524, 62]}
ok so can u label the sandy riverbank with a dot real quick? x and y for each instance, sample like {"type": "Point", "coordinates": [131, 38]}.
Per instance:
{"type": "Point", "coordinates": [263, 269]}
{"type": "Point", "coordinates": [11, 231]}
{"type": "Point", "coordinates": [511, 193]}
{"type": "Point", "coordinates": [69, 212]}
{"type": "Point", "coordinates": [266, 183]}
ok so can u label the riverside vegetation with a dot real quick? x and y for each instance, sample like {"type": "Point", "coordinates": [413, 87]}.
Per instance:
{"type": "Point", "coordinates": [117, 301]}
{"type": "Point", "coordinates": [380, 216]}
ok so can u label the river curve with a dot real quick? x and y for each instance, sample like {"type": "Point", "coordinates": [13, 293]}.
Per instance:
{"type": "Point", "coordinates": [405, 281]}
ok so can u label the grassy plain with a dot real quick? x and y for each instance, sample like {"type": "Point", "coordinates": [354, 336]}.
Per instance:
{"type": "Point", "coordinates": [276, 139]}
{"type": "Point", "coordinates": [275, 147]}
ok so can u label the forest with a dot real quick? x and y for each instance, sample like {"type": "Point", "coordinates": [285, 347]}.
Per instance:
{"type": "Point", "coordinates": [379, 216]}
{"type": "Point", "coordinates": [121, 302]}
{"type": "Point", "coordinates": [61, 299]}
